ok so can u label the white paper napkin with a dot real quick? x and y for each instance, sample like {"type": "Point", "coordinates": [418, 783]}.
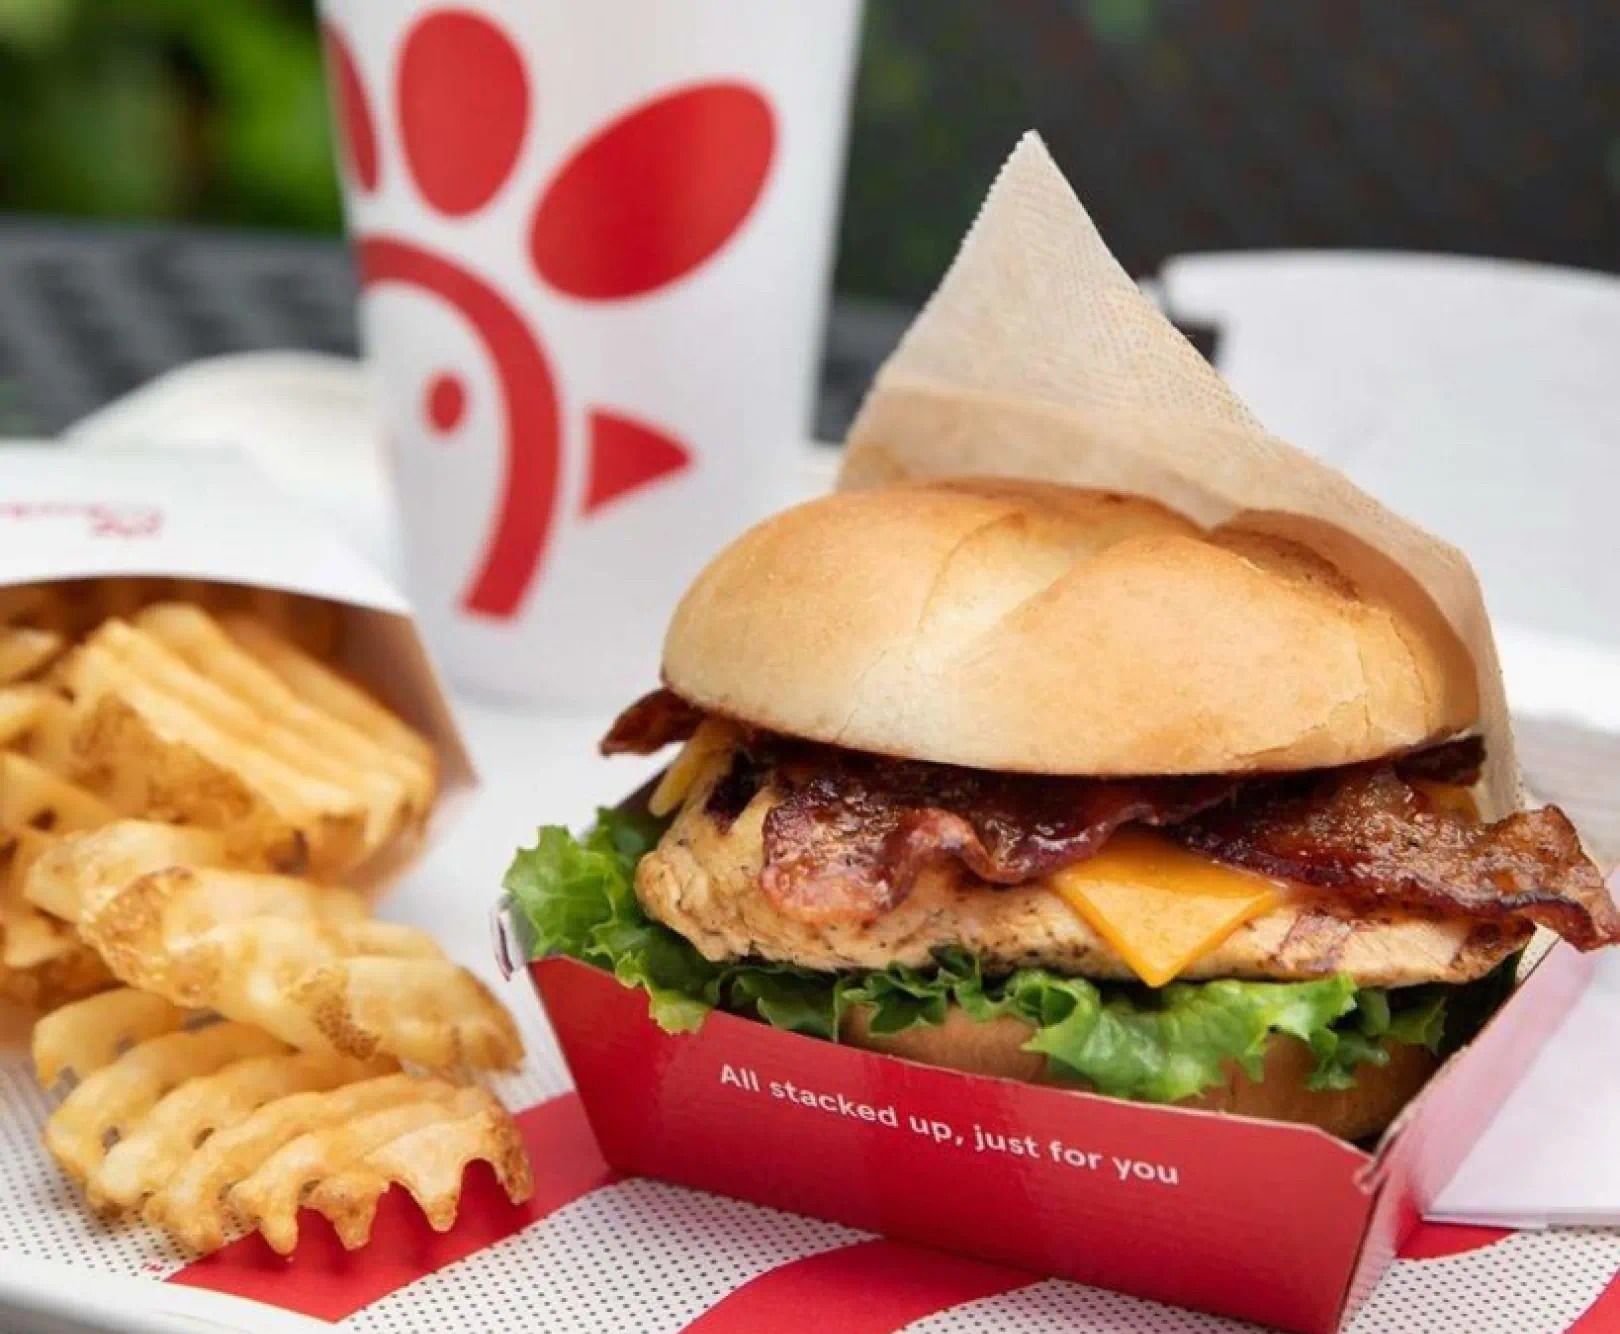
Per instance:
{"type": "Point", "coordinates": [1477, 397]}
{"type": "Point", "coordinates": [1552, 1155]}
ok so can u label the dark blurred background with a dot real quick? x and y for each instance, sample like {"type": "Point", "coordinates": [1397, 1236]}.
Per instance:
{"type": "Point", "coordinates": [1482, 126]}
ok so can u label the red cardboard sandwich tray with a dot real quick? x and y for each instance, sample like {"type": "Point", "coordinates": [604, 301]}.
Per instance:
{"type": "Point", "coordinates": [1279, 1224]}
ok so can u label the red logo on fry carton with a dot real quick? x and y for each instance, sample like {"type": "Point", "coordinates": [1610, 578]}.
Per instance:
{"type": "Point", "coordinates": [104, 520]}
{"type": "Point", "coordinates": [641, 202]}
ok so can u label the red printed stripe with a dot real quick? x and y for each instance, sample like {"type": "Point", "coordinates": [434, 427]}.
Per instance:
{"type": "Point", "coordinates": [323, 1280]}
{"type": "Point", "coordinates": [897, 1284]}
{"type": "Point", "coordinates": [1603, 1315]}
{"type": "Point", "coordinates": [1432, 1241]}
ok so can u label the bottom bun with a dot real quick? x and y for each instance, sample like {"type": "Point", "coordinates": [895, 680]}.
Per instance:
{"type": "Point", "coordinates": [995, 1047]}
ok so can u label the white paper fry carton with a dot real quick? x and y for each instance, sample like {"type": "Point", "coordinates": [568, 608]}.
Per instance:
{"type": "Point", "coordinates": [213, 518]}
{"type": "Point", "coordinates": [85, 535]}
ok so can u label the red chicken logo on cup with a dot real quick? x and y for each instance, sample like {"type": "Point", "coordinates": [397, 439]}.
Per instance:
{"type": "Point", "coordinates": [641, 203]}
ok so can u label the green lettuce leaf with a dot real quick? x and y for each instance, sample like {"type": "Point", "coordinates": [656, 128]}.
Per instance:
{"type": "Point", "coordinates": [1180, 1041]}
{"type": "Point", "coordinates": [578, 897]}
{"type": "Point", "coordinates": [1413, 1016]}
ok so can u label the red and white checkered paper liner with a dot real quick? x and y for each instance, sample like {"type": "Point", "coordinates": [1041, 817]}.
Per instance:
{"type": "Point", "coordinates": [595, 1252]}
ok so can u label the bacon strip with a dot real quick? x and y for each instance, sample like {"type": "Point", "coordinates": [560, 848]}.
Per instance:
{"type": "Point", "coordinates": [853, 831]}
{"type": "Point", "coordinates": [1380, 844]}
{"type": "Point", "coordinates": [1459, 762]}
{"type": "Point", "coordinates": [658, 719]}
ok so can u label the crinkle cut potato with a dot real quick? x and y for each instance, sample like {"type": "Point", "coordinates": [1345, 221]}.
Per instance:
{"type": "Point", "coordinates": [300, 962]}
{"type": "Point", "coordinates": [42, 959]}
{"type": "Point", "coordinates": [203, 1130]}
{"type": "Point", "coordinates": [362, 750]}
{"type": "Point", "coordinates": [85, 869]}
{"type": "Point", "coordinates": [71, 608]}
{"type": "Point", "coordinates": [118, 1094]}
{"type": "Point", "coordinates": [80, 1039]}
{"type": "Point", "coordinates": [128, 698]}
{"type": "Point", "coordinates": [181, 801]}
{"type": "Point", "coordinates": [342, 1170]}
{"type": "Point", "coordinates": [167, 714]}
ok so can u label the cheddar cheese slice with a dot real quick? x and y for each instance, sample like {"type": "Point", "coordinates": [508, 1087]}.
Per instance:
{"type": "Point", "coordinates": [1450, 797]}
{"type": "Point", "coordinates": [1159, 905]}
{"type": "Point", "coordinates": [714, 737]}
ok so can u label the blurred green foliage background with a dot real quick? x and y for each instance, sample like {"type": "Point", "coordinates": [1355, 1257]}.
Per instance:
{"type": "Point", "coordinates": [205, 110]}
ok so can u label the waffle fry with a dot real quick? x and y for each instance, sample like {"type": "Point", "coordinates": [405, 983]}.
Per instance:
{"type": "Point", "coordinates": [42, 960]}
{"type": "Point", "coordinates": [357, 987]}
{"type": "Point", "coordinates": [19, 710]}
{"type": "Point", "coordinates": [314, 624]}
{"type": "Point", "coordinates": [298, 960]}
{"type": "Point", "coordinates": [172, 1125]}
{"type": "Point", "coordinates": [28, 937]}
{"type": "Point", "coordinates": [149, 1153]}
{"type": "Point", "coordinates": [35, 723]}
{"type": "Point", "coordinates": [139, 922]}
{"type": "Point", "coordinates": [401, 790]}
{"type": "Point", "coordinates": [48, 739]}
{"type": "Point", "coordinates": [26, 651]}
{"type": "Point", "coordinates": [32, 797]}
{"type": "Point", "coordinates": [307, 745]}
{"type": "Point", "coordinates": [126, 723]}
{"type": "Point", "coordinates": [330, 692]}
{"type": "Point", "coordinates": [116, 1097]}
{"type": "Point", "coordinates": [152, 780]}
{"type": "Point", "coordinates": [125, 697]}
{"type": "Point", "coordinates": [151, 753]}
{"type": "Point", "coordinates": [310, 750]}
{"type": "Point", "coordinates": [340, 1150]}
{"type": "Point", "coordinates": [191, 1206]}
{"type": "Point", "coordinates": [44, 986]}
{"type": "Point", "coordinates": [87, 866]}
{"type": "Point", "coordinates": [431, 1012]}
{"type": "Point", "coordinates": [429, 1162]}
{"type": "Point", "coordinates": [83, 1037]}
{"type": "Point", "coordinates": [343, 1170]}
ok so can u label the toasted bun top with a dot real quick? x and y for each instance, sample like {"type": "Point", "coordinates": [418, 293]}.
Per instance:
{"type": "Point", "coordinates": [1030, 627]}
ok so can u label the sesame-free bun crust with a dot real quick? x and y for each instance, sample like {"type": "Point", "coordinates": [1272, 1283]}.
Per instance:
{"type": "Point", "coordinates": [1038, 628]}
{"type": "Point", "coordinates": [994, 1047]}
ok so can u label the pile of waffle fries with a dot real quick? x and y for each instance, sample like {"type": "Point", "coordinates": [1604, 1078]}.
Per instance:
{"type": "Point", "coordinates": [189, 789]}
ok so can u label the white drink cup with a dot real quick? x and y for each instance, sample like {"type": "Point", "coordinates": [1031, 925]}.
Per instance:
{"type": "Point", "coordinates": [594, 241]}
